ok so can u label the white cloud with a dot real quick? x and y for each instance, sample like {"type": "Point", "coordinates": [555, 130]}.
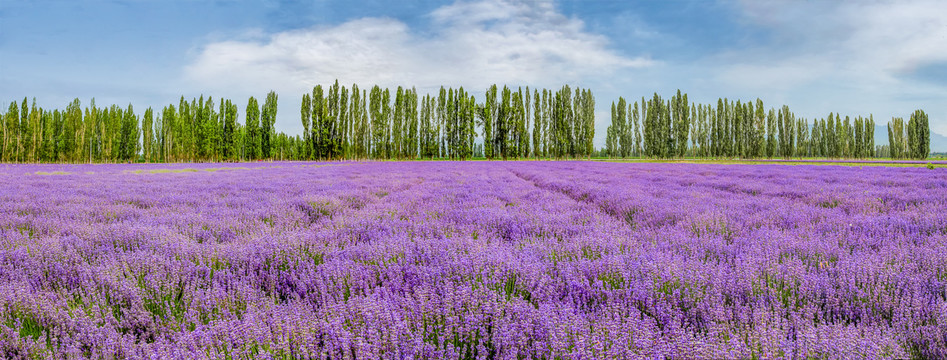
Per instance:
{"type": "Point", "coordinates": [474, 44]}
{"type": "Point", "coordinates": [868, 42]}
{"type": "Point", "coordinates": [854, 57]}
{"type": "Point", "coordinates": [849, 57]}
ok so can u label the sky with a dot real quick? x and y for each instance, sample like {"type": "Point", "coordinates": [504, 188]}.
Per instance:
{"type": "Point", "coordinates": [884, 58]}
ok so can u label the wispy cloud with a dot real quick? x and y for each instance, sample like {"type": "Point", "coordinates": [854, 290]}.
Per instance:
{"type": "Point", "coordinates": [867, 42]}
{"type": "Point", "coordinates": [849, 57]}
{"type": "Point", "coordinates": [471, 44]}
{"type": "Point", "coordinates": [856, 57]}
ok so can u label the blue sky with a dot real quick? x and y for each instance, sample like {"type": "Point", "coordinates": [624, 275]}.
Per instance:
{"type": "Point", "coordinates": [857, 58]}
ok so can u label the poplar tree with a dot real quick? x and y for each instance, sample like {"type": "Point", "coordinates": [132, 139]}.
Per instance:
{"type": "Point", "coordinates": [656, 130]}
{"type": "Point", "coordinates": [802, 138]}
{"type": "Point", "coordinates": [49, 137]}
{"type": "Point", "coordinates": [427, 133]}
{"type": "Point", "coordinates": [611, 142]}
{"type": "Point", "coordinates": [588, 101]}
{"type": "Point", "coordinates": [22, 144]}
{"type": "Point", "coordinates": [342, 123]}
{"type": "Point", "coordinates": [896, 140]}
{"type": "Point", "coordinates": [441, 120]}
{"type": "Point", "coordinates": [723, 114]}
{"type": "Point", "coordinates": [786, 131]}
{"type": "Point", "coordinates": [305, 114]}
{"type": "Point", "coordinates": [517, 124]}
{"type": "Point", "coordinates": [501, 131]}
{"type": "Point", "coordinates": [859, 138]}
{"type": "Point", "coordinates": [320, 123]}
{"type": "Point", "coordinates": [562, 120]}
{"type": "Point", "coordinates": [386, 124]}
{"type": "Point", "coordinates": [681, 114]}
{"type": "Point", "coordinates": [838, 136]}
{"type": "Point", "coordinates": [816, 139]}
{"type": "Point", "coordinates": [352, 140]}
{"type": "Point", "coordinates": [846, 138]}
{"type": "Point", "coordinates": [147, 133]}
{"type": "Point", "coordinates": [363, 128]}
{"type": "Point", "coordinates": [469, 130]}
{"type": "Point", "coordinates": [396, 124]}
{"type": "Point", "coordinates": [411, 124]}
{"type": "Point", "coordinates": [706, 113]}
{"type": "Point", "coordinates": [357, 128]}
{"type": "Point", "coordinates": [268, 119]}
{"type": "Point", "coordinates": [525, 140]}
{"type": "Point", "coordinates": [12, 119]}
{"type": "Point", "coordinates": [918, 136]}
{"type": "Point", "coordinates": [253, 144]}
{"type": "Point", "coordinates": [538, 121]}
{"type": "Point", "coordinates": [621, 129]}
{"type": "Point", "coordinates": [72, 119]}
{"type": "Point", "coordinates": [760, 141]}
{"type": "Point", "coordinates": [229, 140]}
{"type": "Point", "coordinates": [33, 130]}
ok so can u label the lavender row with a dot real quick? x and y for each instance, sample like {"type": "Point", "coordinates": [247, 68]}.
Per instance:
{"type": "Point", "coordinates": [474, 260]}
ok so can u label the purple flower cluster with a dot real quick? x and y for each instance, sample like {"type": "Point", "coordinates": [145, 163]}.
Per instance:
{"type": "Point", "coordinates": [472, 260]}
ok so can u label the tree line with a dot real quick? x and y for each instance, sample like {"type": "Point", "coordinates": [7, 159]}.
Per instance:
{"type": "Point", "coordinates": [348, 123]}
{"type": "Point", "coordinates": [195, 130]}
{"type": "Point", "coordinates": [676, 128]}
{"type": "Point", "coordinates": [379, 123]}
{"type": "Point", "coordinates": [912, 141]}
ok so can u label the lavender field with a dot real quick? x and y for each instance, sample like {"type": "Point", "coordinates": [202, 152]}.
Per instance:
{"type": "Point", "coordinates": [534, 260]}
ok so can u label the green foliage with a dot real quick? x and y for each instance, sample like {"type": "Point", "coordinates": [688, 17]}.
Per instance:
{"type": "Point", "coordinates": [348, 123]}
{"type": "Point", "coordinates": [267, 120]}
{"type": "Point", "coordinates": [918, 136]}
{"type": "Point", "coordinates": [252, 134]}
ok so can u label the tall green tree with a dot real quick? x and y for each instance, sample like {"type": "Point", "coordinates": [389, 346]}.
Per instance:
{"type": "Point", "coordinates": [230, 150]}
{"type": "Point", "coordinates": [268, 120]}
{"type": "Point", "coordinates": [802, 138]}
{"type": "Point", "coordinates": [11, 134]}
{"type": "Point", "coordinates": [342, 131]}
{"type": "Point", "coordinates": [538, 121]}
{"type": "Point", "coordinates": [428, 146]}
{"type": "Point", "coordinates": [128, 138]}
{"type": "Point", "coordinates": [379, 124]}
{"type": "Point", "coordinates": [253, 144]}
{"type": "Point", "coordinates": [305, 114]}
{"type": "Point", "coordinates": [634, 121]}
{"type": "Point", "coordinates": [681, 115]}
{"type": "Point", "coordinates": [616, 131]}
{"type": "Point", "coordinates": [918, 135]}
{"type": "Point", "coordinates": [897, 143]}
{"type": "Point", "coordinates": [147, 134]}
{"type": "Point", "coordinates": [412, 140]}
{"type": "Point", "coordinates": [397, 121]}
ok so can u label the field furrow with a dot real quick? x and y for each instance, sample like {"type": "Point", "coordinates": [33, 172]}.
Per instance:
{"type": "Point", "coordinates": [472, 260]}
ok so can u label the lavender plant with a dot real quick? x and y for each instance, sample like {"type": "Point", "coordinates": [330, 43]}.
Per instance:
{"type": "Point", "coordinates": [535, 260]}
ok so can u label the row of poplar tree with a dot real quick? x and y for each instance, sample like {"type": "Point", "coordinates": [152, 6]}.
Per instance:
{"type": "Point", "coordinates": [349, 123]}
{"type": "Point", "coordinates": [658, 128]}
{"type": "Point", "coordinates": [912, 141]}
{"type": "Point", "coordinates": [195, 130]}
{"type": "Point", "coordinates": [343, 123]}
